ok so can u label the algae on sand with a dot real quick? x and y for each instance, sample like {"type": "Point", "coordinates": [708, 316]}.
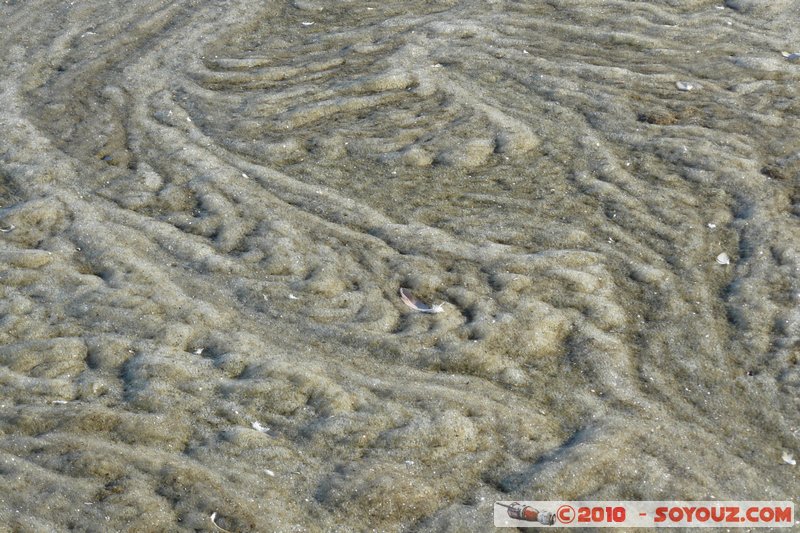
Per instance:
{"type": "Point", "coordinates": [208, 211]}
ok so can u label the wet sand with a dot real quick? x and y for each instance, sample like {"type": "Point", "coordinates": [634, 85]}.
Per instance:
{"type": "Point", "coordinates": [208, 209]}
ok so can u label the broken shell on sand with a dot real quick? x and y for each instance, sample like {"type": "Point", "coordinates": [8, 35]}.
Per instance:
{"type": "Point", "coordinates": [417, 305]}
{"type": "Point", "coordinates": [686, 85]}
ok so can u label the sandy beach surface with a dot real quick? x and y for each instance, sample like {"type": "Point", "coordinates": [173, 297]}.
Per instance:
{"type": "Point", "coordinates": [207, 210]}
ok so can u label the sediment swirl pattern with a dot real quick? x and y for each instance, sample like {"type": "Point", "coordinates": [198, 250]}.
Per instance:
{"type": "Point", "coordinates": [208, 209]}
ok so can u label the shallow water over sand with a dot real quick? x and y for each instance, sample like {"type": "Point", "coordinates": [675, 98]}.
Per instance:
{"type": "Point", "coordinates": [208, 210]}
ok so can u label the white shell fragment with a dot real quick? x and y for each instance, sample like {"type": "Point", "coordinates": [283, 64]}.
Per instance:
{"type": "Point", "coordinates": [711, 225]}
{"type": "Point", "coordinates": [723, 259]}
{"type": "Point", "coordinates": [686, 85]}
{"type": "Point", "coordinates": [214, 521]}
{"type": "Point", "coordinates": [417, 305]}
{"type": "Point", "coordinates": [259, 427]}
{"type": "Point", "coordinates": [788, 458]}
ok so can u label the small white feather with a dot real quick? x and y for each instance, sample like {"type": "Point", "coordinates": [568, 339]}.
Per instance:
{"type": "Point", "coordinates": [417, 305]}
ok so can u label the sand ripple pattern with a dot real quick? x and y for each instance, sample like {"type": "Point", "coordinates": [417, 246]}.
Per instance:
{"type": "Point", "coordinates": [207, 211]}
